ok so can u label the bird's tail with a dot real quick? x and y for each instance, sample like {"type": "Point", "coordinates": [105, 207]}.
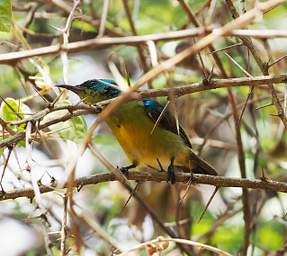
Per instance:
{"type": "Point", "coordinates": [200, 166]}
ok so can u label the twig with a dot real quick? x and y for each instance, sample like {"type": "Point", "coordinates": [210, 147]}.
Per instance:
{"type": "Point", "coordinates": [217, 181]}
{"type": "Point", "coordinates": [237, 130]}
{"type": "Point", "coordinates": [276, 102]}
{"type": "Point", "coordinates": [122, 178]}
{"type": "Point", "coordinates": [188, 12]}
{"type": "Point", "coordinates": [242, 166]}
{"type": "Point", "coordinates": [238, 65]}
{"type": "Point", "coordinates": [94, 225]}
{"type": "Point", "coordinates": [241, 21]}
{"type": "Point", "coordinates": [261, 65]}
{"type": "Point", "coordinates": [219, 222]}
{"type": "Point", "coordinates": [160, 240]}
{"type": "Point", "coordinates": [134, 32]}
{"type": "Point", "coordinates": [12, 57]}
{"type": "Point", "coordinates": [103, 18]}
{"type": "Point", "coordinates": [29, 165]}
{"type": "Point", "coordinates": [226, 48]}
{"type": "Point", "coordinates": [66, 33]}
{"type": "Point", "coordinates": [277, 60]}
{"type": "Point", "coordinates": [64, 228]}
{"type": "Point", "coordinates": [178, 91]}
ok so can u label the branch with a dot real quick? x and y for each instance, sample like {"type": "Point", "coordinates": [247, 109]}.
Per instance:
{"type": "Point", "coordinates": [21, 135]}
{"type": "Point", "coordinates": [217, 181]}
{"type": "Point", "coordinates": [161, 242]}
{"type": "Point", "coordinates": [177, 91]}
{"type": "Point", "coordinates": [214, 84]}
{"type": "Point", "coordinates": [263, 68]}
{"type": "Point", "coordinates": [208, 40]}
{"type": "Point", "coordinates": [104, 42]}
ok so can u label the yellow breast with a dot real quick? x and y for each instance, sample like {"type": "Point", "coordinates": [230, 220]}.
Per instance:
{"type": "Point", "coordinates": [145, 147]}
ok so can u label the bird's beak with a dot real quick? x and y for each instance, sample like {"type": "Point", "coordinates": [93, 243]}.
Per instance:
{"type": "Point", "coordinates": [75, 89]}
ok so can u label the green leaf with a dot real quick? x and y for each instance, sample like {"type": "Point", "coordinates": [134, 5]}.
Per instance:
{"type": "Point", "coordinates": [77, 130]}
{"type": "Point", "coordinates": [13, 110]}
{"type": "Point", "coordinates": [73, 129]}
{"type": "Point", "coordinates": [10, 110]}
{"type": "Point", "coordinates": [84, 26]}
{"type": "Point", "coordinates": [5, 15]}
{"type": "Point", "coordinates": [229, 238]}
{"type": "Point", "coordinates": [270, 236]}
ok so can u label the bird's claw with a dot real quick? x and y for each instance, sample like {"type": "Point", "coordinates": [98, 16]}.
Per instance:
{"type": "Point", "coordinates": [124, 170]}
{"type": "Point", "coordinates": [170, 172]}
{"type": "Point", "coordinates": [170, 175]}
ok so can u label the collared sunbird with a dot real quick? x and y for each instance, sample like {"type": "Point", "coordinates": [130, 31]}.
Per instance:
{"type": "Point", "coordinates": [149, 137]}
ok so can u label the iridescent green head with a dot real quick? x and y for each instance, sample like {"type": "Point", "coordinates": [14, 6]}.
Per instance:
{"type": "Point", "coordinates": [95, 90]}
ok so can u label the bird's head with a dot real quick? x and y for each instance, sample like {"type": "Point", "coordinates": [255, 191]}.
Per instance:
{"type": "Point", "coordinates": [95, 90]}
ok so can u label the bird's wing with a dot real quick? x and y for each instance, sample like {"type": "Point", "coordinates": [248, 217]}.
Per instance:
{"type": "Point", "coordinates": [164, 120]}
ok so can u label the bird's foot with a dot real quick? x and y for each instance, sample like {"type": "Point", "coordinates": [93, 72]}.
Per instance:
{"type": "Point", "coordinates": [170, 175]}
{"type": "Point", "coordinates": [171, 172]}
{"type": "Point", "coordinates": [125, 169]}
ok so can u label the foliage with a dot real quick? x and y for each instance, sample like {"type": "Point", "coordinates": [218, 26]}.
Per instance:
{"type": "Point", "coordinates": [5, 15]}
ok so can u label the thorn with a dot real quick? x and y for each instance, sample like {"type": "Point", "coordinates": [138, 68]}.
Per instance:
{"type": "Point", "coordinates": [80, 187]}
{"type": "Point", "coordinates": [53, 181]}
{"type": "Point", "coordinates": [210, 75]}
{"type": "Point", "coordinates": [130, 196]}
{"type": "Point", "coordinates": [267, 65]}
{"type": "Point", "coordinates": [39, 183]}
{"type": "Point", "coordinates": [205, 82]}
{"type": "Point", "coordinates": [2, 190]}
{"type": "Point", "coordinates": [10, 148]}
{"type": "Point", "coordinates": [44, 218]}
{"type": "Point", "coordinates": [208, 203]}
{"type": "Point", "coordinates": [263, 177]}
{"type": "Point", "coordinates": [191, 176]}
{"type": "Point", "coordinates": [160, 166]}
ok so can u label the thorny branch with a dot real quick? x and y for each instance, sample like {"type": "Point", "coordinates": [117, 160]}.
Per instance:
{"type": "Point", "coordinates": [76, 110]}
{"type": "Point", "coordinates": [104, 42]}
{"type": "Point", "coordinates": [263, 68]}
{"type": "Point", "coordinates": [218, 181]}
{"type": "Point", "coordinates": [232, 102]}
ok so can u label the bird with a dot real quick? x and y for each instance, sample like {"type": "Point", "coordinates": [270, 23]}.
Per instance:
{"type": "Point", "coordinates": [148, 134]}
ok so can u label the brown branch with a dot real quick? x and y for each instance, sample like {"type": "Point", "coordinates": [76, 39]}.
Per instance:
{"type": "Point", "coordinates": [232, 102]}
{"type": "Point", "coordinates": [206, 41]}
{"type": "Point", "coordinates": [217, 181]}
{"type": "Point", "coordinates": [21, 135]}
{"type": "Point", "coordinates": [104, 42]}
{"type": "Point", "coordinates": [215, 84]}
{"type": "Point", "coordinates": [263, 67]}
{"type": "Point", "coordinates": [189, 13]}
{"type": "Point", "coordinates": [241, 157]}
{"type": "Point", "coordinates": [242, 167]}
{"type": "Point", "coordinates": [104, 16]}
{"type": "Point", "coordinates": [78, 110]}
{"type": "Point", "coordinates": [158, 243]}
{"type": "Point", "coordinates": [140, 48]}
